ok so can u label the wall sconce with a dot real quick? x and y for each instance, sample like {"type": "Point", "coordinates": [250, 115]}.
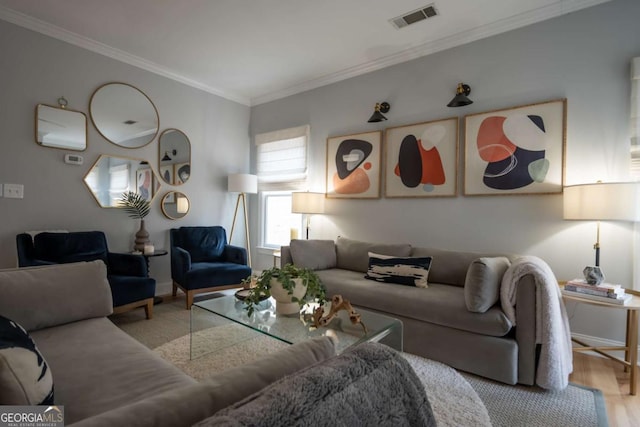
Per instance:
{"type": "Point", "coordinates": [166, 157]}
{"type": "Point", "coordinates": [460, 100]}
{"type": "Point", "coordinates": [377, 114]}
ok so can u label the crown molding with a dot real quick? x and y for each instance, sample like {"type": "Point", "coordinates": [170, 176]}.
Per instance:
{"type": "Point", "coordinates": [557, 9]}
{"type": "Point", "coordinates": [70, 37]}
{"type": "Point", "coordinates": [551, 11]}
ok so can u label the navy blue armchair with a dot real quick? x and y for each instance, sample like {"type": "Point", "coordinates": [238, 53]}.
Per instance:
{"type": "Point", "coordinates": [131, 286]}
{"type": "Point", "coordinates": [202, 261]}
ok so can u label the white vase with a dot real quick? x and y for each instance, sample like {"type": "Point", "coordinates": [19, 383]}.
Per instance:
{"type": "Point", "coordinates": [284, 305]}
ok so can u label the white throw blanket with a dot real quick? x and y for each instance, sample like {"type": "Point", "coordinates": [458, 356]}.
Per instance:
{"type": "Point", "coordinates": [552, 324]}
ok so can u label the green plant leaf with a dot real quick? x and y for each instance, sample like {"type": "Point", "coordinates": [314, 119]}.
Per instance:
{"type": "Point", "coordinates": [135, 205]}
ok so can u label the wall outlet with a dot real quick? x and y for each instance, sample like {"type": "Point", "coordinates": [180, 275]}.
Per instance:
{"type": "Point", "coordinates": [14, 191]}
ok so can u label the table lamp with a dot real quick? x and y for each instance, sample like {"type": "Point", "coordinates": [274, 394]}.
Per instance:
{"type": "Point", "coordinates": [243, 184]}
{"type": "Point", "coordinates": [307, 203]}
{"type": "Point", "coordinates": [602, 201]}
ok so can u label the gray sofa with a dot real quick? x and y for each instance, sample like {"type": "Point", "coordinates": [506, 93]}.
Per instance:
{"type": "Point", "coordinates": [457, 320]}
{"type": "Point", "coordinates": [101, 375]}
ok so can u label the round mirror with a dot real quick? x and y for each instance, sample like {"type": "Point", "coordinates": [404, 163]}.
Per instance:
{"type": "Point", "coordinates": [111, 176]}
{"type": "Point", "coordinates": [124, 115]}
{"type": "Point", "coordinates": [174, 157]}
{"type": "Point", "coordinates": [175, 205]}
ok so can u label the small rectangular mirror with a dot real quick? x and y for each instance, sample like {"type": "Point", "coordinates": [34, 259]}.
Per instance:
{"type": "Point", "coordinates": [61, 128]}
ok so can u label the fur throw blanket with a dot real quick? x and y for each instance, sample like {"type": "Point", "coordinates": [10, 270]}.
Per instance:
{"type": "Point", "coordinates": [552, 324]}
{"type": "Point", "coordinates": [369, 385]}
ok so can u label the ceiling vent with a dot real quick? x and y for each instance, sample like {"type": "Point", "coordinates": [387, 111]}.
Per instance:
{"type": "Point", "coordinates": [414, 16]}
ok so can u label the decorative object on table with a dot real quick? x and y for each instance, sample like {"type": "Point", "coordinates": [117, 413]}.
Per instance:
{"type": "Point", "coordinates": [605, 292]}
{"type": "Point", "coordinates": [602, 201]}
{"type": "Point", "coordinates": [353, 166]}
{"type": "Point", "coordinates": [593, 275]}
{"type": "Point", "coordinates": [421, 159]}
{"type": "Point", "coordinates": [307, 203]}
{"type": "Point", "coordinates": [243, 184]}
{"type": "Point", "coordinates": [337, 303]}
{"type": "Point", "coordinates": [137, 207]}
{"type": "Point", "coordinates": [460, 100]}
{"type": "Point", "coordinates": [292, 287]}
{"type": "Point", "coordinates": [377, 116]}
{"type": "Point", "coordinates": [516, 150]}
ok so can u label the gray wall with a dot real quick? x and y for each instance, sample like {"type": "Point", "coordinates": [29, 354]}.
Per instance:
{"type": "Point", "coordinates": [38, 69]}
{"type": "Point", "coordinates": [583, 56]}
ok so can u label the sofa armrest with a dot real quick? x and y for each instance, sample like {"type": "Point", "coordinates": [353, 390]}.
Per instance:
{"type": "Point", "coordinates": [180, 262]}
{"type": "Point", "coordinates": [285, 255]}
{"type": "Point", "coordinates": [187, 405]}
{"type": "Point", "coordinates": [40, 297]}
{"type": "Point", "coordinates": [526, 330]}
{"type": "Point", "coordinates": [235, 254]}
{"type": "Point", "coordinates": [121, 264]}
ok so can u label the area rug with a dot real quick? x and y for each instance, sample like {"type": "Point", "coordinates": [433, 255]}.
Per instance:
{"type": "Point", "coordinates": [449, 392]}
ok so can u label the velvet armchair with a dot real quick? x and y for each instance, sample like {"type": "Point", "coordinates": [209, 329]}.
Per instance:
{"type": "Point", "coordinates": [202, 261]}
{"type": "Point", "coordinates": [131, 286]}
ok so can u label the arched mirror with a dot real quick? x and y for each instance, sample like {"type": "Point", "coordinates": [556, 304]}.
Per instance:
{"type": "Point", "coordinates": [110, 176]}
{"type": "Point", "coordinates": [175, 205]}
{"type": "Point", "coordinates": [174, 157]}
{"type": "Point", "coordinates": [59, 127]}
{"type": "Point", "coordinates": [124, 115]}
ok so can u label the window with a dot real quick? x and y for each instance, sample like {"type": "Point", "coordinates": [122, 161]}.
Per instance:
{"type": "Point", "coordinates": [118, 182]}
{"type": "Point", "coordinates": [281, 169]}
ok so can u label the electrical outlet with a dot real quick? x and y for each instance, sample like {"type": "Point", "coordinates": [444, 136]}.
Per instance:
{"type": "Point", "coordinates": [14, 191]}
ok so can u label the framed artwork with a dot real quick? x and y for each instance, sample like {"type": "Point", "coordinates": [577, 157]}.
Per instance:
{"type": "Point", "coordinates": [166, 173]}
{"type": "Point", "coordinates": [353, 166]}
{"type": "Point", "coordinates": [517, 150]}
{"type": "Point", "coordinates": [421, 159]}
{"type": "Point", "coordinates": [144, 183]}
{"type": "Point", "coordinates": [182, 172]}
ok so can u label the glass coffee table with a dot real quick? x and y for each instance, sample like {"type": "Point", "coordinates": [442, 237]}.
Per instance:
{"type": "Point", "coordinates": [289, 329]}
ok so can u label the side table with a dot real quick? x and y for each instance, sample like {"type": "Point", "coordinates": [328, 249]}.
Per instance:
{"type": "Point", "coordinates": [630, 361]}
{"type": "Point", "coordinates": [157, 252]}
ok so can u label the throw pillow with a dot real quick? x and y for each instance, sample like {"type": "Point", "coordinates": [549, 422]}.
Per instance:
{"type": "Point", "coordinates": [482, 285]}
{"type": "Point", "coordinates": [404, 271]}
{"type": "Point", "coordinates": [313, 254]}
{"type": "Point", "coordinates": [25, 377]}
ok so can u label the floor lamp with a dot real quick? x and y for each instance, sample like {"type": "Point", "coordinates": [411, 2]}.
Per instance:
{"type": "Point", "coordinates": [307, 203]}
{"type": "Point", "coordinates": [243, 184]}
{"type": "Point", "coordinates": [602, 201]}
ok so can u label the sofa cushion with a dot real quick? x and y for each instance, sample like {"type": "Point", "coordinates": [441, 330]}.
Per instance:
{"type": "Point", "coordinates": [404, 271]}
{"type": "Point", "coordinates": [313, 254]}
{"type": "Point", "coordinates": [25, 377]}
{"type": "Point", "coordinates": [52, 294]}
{"type": "Point", "coordinates": [205, 244]}
{"type": "Point", "coordinates": [344, 390]}
{"type": "Point", "coordinates": [439, 304]}
{"type": "Point", "coordinates": [354, 255]}
{"type": "Point", "coordinates": [482, 284]}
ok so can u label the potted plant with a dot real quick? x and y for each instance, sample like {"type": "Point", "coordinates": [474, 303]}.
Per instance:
{"type": "Point", "coordinates": [137, 207]}
{"type": "Point", "coordinates": [292, 287]}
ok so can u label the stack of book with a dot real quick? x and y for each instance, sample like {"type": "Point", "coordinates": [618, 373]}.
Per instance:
{"type": "Point", "coordinates": [605, 292]}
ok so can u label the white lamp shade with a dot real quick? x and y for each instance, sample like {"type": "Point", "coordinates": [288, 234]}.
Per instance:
{"type": "Point", "coordinates": [610, 201]}
{"type": "Point", "coordinates": [243, 183]}
{"type": "Point", "coordinates": [307, 203]}
{"type": "Point", "coordinates": [182, 204]}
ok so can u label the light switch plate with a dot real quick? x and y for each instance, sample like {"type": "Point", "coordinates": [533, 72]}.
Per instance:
{"type": "Point", "coordinates": [13, 191]}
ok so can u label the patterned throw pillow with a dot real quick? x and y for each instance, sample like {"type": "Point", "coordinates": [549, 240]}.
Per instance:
{"type": "Point", "coordinates": [404, 271]}
{"type": "Point", "coordinates": [25, 377]}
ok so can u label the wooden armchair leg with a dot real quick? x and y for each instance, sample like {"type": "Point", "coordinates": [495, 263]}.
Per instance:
{"type": "Point", "coordinates": [148, 309]}
{"type": "Point", "coordinates": [190, 295]}
{"type": "Point", "coordinates": [174, 292]}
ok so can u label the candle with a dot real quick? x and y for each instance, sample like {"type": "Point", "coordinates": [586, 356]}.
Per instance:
{"type": "Point", "coordinates": [149, 249]}
{"type": "Point", "coordinates": [294, 233]}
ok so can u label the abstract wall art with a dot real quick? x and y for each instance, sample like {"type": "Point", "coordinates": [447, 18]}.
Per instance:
{"type": "Point", "coordinates": [421, 159]}
{"type": "Point", "coordinates": [517, 150]}
{"type": "Point", "coordinates": [353, 166]}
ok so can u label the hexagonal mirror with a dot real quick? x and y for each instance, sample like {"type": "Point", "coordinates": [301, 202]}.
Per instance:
{"type": "Point", "coordinates": [110, 176]}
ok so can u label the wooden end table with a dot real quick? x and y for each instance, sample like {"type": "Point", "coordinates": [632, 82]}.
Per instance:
{"type": "Point", "coordinates": [630, 361]}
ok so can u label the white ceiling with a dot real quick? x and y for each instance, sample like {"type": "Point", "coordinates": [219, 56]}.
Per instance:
{"type": "Point", "coordinates": [255, 51]}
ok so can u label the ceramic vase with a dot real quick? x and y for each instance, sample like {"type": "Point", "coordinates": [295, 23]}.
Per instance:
{"type": "Point", "coordinates": [284, 305]}
{"type": "Point", "coordinates": [142, 237]}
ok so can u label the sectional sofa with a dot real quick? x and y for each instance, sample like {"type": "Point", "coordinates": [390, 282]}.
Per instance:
{"type": "Point", "coordinates": [457, 320]}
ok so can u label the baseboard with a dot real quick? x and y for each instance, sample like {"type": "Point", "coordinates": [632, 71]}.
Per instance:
{"type": "Point", "coordinates": [597, 341]}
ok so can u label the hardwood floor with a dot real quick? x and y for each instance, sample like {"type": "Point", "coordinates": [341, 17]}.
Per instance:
{"type": "Point", "coordinates": [622, 409]}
